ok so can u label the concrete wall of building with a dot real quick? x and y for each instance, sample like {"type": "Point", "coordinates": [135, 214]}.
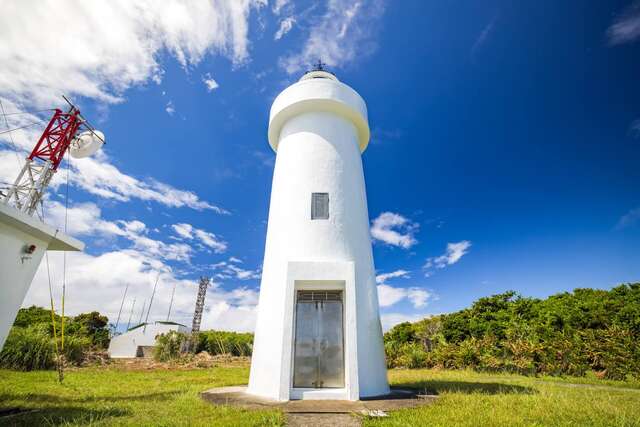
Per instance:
{"type": "Point", "coordinates": [126, 345]}
{"type": "Point", "coordinates": [17, 268]}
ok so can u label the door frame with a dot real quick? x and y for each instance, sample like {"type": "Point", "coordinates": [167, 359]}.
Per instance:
{"type": "Point", "coordinates": [321, 276]}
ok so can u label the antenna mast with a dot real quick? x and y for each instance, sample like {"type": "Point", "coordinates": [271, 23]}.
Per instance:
{"type": "Point", "coordinates": [131, 313]}
{"type": "Point", "coordinates": [29, 187]}
{"type": "Point", "coordinates": [197, 315]}
{"type": "Point", "coordinates": [121, 305]}
{"type": "Point", "coordinates": [171, 303]}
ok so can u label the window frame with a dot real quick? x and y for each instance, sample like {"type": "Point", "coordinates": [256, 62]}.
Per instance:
{"type": "Point", "coordinates": [320, 206]}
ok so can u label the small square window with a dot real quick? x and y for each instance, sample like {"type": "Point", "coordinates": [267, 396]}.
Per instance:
{"type": "Point", "coordinates": [320, 206]}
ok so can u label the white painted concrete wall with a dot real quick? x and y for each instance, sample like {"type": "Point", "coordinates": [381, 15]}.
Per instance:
{"type": "Point", "coordinates": [17, 268]}
{"type": "Point", "coordinates": [319, 128]}
{"type": "Point", "coordinates": [126, 344]}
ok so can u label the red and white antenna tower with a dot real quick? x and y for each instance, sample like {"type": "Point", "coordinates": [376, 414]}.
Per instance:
{"type": "Point", "coordinates": [58, 137]}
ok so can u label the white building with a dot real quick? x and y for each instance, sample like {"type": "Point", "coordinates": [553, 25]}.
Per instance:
{"type": "Point", "coordinates": [23, 243]}
{"type": "Point", "coordinates": [318, 333]}
{"type": "Point", "coordinates": [137, 341]}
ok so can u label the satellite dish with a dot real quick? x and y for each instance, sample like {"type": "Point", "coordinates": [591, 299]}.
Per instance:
{"type": "Point", "coordinates": [86, 144]}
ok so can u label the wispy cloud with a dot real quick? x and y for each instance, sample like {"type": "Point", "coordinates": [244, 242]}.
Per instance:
{"type": "Point", "coordinates": [231, 270]}
{"type": "Point", "coordinates": [98, 176]}
{"type": "Point", "coordinates": [209, 82]}
{"type": "Point", "coordinates": [210, 240]}
{"type": "Point", "coordinates": [345, 32]}
{"type": "Point", "coordinates": [389, 320]}
{"type": "Point", "coordinates": [389, 295]}
{"type": "Point", "coordinates": [394, 229]}
{"type": "Point", "coordinates": [453, 254]}
{"type": "Point", "coordinates": [170, 108]}
{"type": "Point", "coordinates": [626, 27]}
{"type": "Point", "coordinates": [483, 36]}
{"type": "Point", "coordinates": [629, 219]}
{"type": "Point", "coordinates": [285, 26]}
{"type": "Point", "coordinates": [382, 278]}
{"type": "Point", "coordinates": [634, 128]}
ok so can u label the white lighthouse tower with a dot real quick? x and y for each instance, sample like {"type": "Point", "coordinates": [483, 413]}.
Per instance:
{"type": "Point", "coordinates": [318, 333]}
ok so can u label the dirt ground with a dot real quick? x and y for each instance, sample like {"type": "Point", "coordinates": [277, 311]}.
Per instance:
{"type": "Point", "coordinates": [201, 360]}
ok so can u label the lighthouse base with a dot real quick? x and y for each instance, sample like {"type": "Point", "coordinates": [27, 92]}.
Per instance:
{"type": "Point", "coordinates": [318, 333]}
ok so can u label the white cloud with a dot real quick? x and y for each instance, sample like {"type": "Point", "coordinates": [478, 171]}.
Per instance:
{"type": "Point", "coordinates": [626, 27]}
{"type": "Point", "coordinates": [389, 295]}
{"type": "Point", "coordinates": [418, 297]}
{"type": "Point", "coordinates": [454, 252]}
{"type": "Point", "coordinates": [98, 283]}
{"type": "Point", "coordinates": [279, 5]}
{"type": "Point", "coordinates": [629, 219]}
{"type": "Point", "coordinates": [394, 229]}
{"type": "Point", "coordinates": [170, 109]}
{"type": "Point", "coordinates": [285, 26]}
{"type": "Point", "coordinates": [382, 278]}
{"type": "Point", "coordinates": [389, 320]}
{"type": "Point", "coordinates": [115, 44]}
{"type": "Point", "coordinates": [99, 177]}
{"type": "Point", "coordinates": [229, 270]}
{"type": "Point", "coordinates": [81, 219]}
{"type": "Point", "coordinates": [345, 32]}
{"type": "Point", "coordinates": [209, 82]}
{"type": "Point", "coordinates": [189, 232]}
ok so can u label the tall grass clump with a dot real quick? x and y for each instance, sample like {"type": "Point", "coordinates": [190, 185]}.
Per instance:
{"type": "Point", "coordinates": [222, 342]}
{"type": "Point", "coordinates": [28, 349]}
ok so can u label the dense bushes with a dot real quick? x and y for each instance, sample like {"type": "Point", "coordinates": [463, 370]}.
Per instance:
{"type": "Point", "coordinates": [566, 334]}
{"type": "Point", "coordinates": [221, 342]}
{"type": "Point", "coordinates": [170, 346]}
{"type": "Point", "coordinates": [30, 344]}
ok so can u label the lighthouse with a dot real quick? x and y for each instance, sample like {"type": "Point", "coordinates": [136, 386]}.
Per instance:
{"type": "Point", "coordinates": [318, 333]}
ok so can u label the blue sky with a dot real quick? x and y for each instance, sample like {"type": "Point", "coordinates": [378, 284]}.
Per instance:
{"type": "Point", "coordinates": [504, 152]}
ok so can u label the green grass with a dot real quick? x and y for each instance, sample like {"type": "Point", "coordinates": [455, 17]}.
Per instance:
{"type": "Point", "coordinates": [113, 396]}
{"type": "Point", "coordinates": [476, 399]}
{"type": "Point", "coordinates": [117, 397]}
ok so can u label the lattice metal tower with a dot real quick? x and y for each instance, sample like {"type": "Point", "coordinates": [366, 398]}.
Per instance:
{"type": "Point", "coordinates": [197, 315]}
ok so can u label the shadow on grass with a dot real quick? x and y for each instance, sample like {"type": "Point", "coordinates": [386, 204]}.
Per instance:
{"type": "Point", "coordinates": [51, 398]}
{"type": "Point", "coordinates": [59, 416]}
{"type": "Point", "coordinates": [438, 387]}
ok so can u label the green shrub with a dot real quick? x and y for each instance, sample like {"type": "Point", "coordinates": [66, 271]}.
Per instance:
{"type": "Point", "coordinates": [170, 346]}
{"type": "Point", "coordinates": [570, 333]}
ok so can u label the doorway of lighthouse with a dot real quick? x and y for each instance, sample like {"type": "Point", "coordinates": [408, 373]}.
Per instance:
{"type": "Point", "coordinates": [319, 340]}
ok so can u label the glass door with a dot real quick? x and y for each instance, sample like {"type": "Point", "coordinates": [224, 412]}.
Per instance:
{"type": "Point", "coordinates": [319, 344]}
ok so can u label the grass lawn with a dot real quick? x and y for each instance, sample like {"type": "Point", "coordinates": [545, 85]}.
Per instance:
{"type": "Point", "coordinates": [99, 396]}
{"type": "Point", "coordinates": [112, 396]}
{"type": "Point", "coordinates": [476, 399]}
